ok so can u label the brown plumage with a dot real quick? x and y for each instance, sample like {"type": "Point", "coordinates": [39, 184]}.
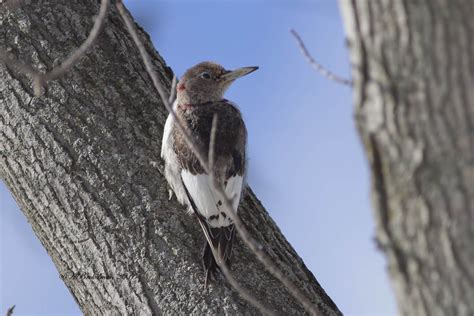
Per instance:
{"type": "Point", "coordinates": [231, 135]}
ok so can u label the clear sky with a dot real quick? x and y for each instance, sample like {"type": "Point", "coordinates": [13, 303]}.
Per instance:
{"type": "Point", "coordinates": [306, 162]}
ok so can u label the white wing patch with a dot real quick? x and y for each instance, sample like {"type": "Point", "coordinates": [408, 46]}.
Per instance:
{"type": "Point", "coordinates": [206, 199]}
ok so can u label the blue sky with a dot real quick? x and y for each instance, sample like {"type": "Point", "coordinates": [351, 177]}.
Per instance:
{"type": "Point", "coordinates": [306, 162]}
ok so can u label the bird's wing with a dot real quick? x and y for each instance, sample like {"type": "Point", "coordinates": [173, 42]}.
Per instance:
{"type": "Point", "coordinates": [207, 200]}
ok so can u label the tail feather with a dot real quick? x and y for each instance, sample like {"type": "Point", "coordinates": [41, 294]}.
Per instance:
{"type": "Point", "coordinates": [221, 239]}
{"type": "Point", "coordinates": [222, 242]}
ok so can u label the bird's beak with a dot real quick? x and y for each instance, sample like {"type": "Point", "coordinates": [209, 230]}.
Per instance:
{"type": "Point", "coordinates": [237, 73]}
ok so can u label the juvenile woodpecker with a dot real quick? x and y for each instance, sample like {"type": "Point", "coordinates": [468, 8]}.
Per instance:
{"type": "Point", "coordinates": [200, 95]}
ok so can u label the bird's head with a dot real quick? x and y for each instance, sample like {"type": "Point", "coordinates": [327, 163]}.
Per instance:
{"type": "Point", "coordinates": [207, 82]}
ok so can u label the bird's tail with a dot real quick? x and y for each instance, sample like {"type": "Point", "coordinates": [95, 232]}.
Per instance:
{"type": "Point", "coordinates": [221, 239]}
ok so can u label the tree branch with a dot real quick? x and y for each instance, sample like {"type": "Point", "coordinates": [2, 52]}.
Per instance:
{"type": "Point", "coordinates": [10, 311]}
{"type": "Point", "coordinates": [317, 66]}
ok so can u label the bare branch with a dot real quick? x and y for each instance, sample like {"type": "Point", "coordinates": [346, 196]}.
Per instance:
{"type": "Point", "coordinates": [246, 295]}
{"type": "Point", "coordinates": [317, 66]}
{"type": "Point", "coordinates": [212, 142]}
{"type": "Point", "coordinates": [40, 80]}
{"type": "Point", "coordinates": [174, 82]}
{"type": "Point", "coordinates": [257, 249]}
{"type": "Point", "coordinates": [248, 240]}
{"type": "Point", "coordinates": [10, 310]}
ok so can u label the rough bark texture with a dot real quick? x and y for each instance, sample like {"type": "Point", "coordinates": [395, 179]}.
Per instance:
{"type": "Point", "coordinates": [413, 68]}
{"type": "Point", "coordinates": [83, 163]}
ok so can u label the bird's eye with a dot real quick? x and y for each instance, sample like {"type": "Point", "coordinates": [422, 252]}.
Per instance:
{"type": "Point", "coordinates": [205, 75]}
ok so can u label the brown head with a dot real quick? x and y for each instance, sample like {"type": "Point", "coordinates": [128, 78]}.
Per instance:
{"type": "Point", "coordinates": [207, 82]}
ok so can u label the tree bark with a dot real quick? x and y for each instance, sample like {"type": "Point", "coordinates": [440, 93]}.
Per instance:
{"type": "Point", "coordinates": [82, 161]}
{"type": "Point", "coordinates": [413, 69]}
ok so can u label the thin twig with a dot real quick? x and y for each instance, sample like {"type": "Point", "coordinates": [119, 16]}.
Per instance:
{"type": "Point", "coordinates": [212, 142]}
{"type": "Point", "coordinates": [248, 240]}
{"type": "Point", "coordinates": [174, 82]}
{"type": "Point", "coordinates": [10, 310]}
{"type": "Point", "coordinates": [40, 80]}
{"type": "Point", "coordinates": [257, 249]}
{"type": "Point", "coordinates": [241, 290]}
{"type": "Point", "coordinates": [317, 66]}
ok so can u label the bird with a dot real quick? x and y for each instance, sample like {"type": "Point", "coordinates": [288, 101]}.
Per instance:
{"type": "Point", "coordinates": [200, 97]}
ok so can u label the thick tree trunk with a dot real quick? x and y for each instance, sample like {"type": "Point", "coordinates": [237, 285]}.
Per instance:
{"type": "Point", "coordinates": [413, 68]}
{"type": "Point", "coordinates": [83, 163]}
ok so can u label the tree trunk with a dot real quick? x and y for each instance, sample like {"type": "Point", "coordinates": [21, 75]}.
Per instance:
{"type": "Point", "coordinates": [83, 163]}
{"type": "Point", "coordinates": [413, 69]}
